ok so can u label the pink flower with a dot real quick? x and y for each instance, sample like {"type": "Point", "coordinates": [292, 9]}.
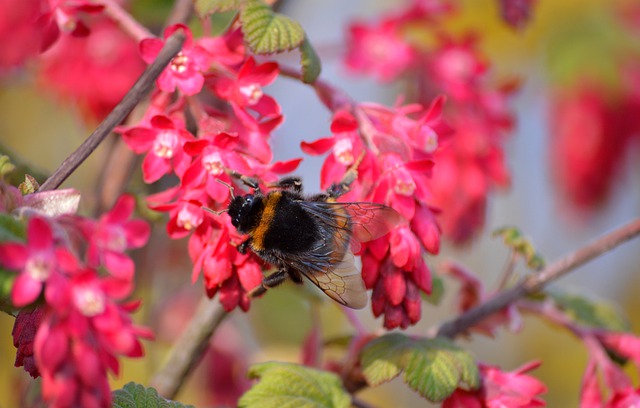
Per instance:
{"type": "Point", "coordinates": [79, 342]}
{"type": "Point", "coordinates": [212, 155]}
{"type": "Point", "coordinates": [246, 89]}
{"type": "Point", "coordinates": [93, 71]}
{"type": "Point", "coordinates": [112, 235]}
{"type": "Point", "coordinates": [501, 389]}
{"type": "Point", "coordinates": [379, 50]}
{"type": "Point", "coordinates": [213, 251]}
{"type": "Point", "coordinates": [185, 71]}
{"type": "Point", "coordinates": [163, 142]}
{"type": "Point", "coordinates": [38, 261]}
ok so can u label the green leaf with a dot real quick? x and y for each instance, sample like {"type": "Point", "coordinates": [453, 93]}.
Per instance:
{"type": "Point", "coordinates": [518, 243]}
{"type": "Point", "coordinates": [432, 367]}
{"type": "Point", "coordinates": [285, 385]}
{"type": "Point", "coordinates": [205, 8]}
{"type": "Point", "coordinates": [310, 62]}
{"type": "Point", "coordinates": [134, 395]}
{"type": "Point", "coordinates": [11, 228]}
{"type": "Point", "coordinates": [268, 32]}
{"type": "Point", "coordinates": [589, 312]}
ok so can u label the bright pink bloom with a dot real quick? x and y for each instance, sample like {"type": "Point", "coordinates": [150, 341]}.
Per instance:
{"type": "Point", "coordinates": [112, 235]}
{"type": "Point", "coordinates": [501, 389]}
{"type": "Point", "coordinates": [163, 142]}
{"type": "Point", "coordinates": [185, 71]}
{"type": "Point", "coordinates": [212, 155]}
{"type": "Point", "coordinates": [77, 345]}
{"type": "Point", "coordinates": [24, 332]}
{"type": "Point", "coordinates": [457, 67]}
{"type": "Point", "coordinates": [246, 89]}
{"type": "Point", "coordinates": [213, 250]}
{"type": "Point", "coordinates": [185, 212]}
{"type": "Point", "coordinates": [21, 31]}
{"type": "Point", "coordinates": [38, 261]}
{"type": "Point", "coordinates": [94, 71]}
{"type": "Point", "coordinates": [380, 50]}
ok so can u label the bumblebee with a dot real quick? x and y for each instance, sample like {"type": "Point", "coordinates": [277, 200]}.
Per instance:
{"type": "Point", "coordinates": [309, 236]}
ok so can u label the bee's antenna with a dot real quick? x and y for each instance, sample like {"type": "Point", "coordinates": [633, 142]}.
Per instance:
{"type": "Point", "coordinates": [207, 209]}
{"type": "Point", "coordinates": [229, 186]}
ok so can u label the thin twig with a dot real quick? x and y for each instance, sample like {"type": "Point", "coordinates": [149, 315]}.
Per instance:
{"type": "Point", "coordinates": [535, 283]}
{"type": "Point", "coordinates": [188, 350]}
{"type": "Point", "coordinates": [117, 115]}
{"type": "Point", "coordinates": [180, 13]}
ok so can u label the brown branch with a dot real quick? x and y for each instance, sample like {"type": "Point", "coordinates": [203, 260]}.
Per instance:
{"type": "Point", "coordinates": [188, 350]}
{"type": "Point", "coordinates": [117, 115]}
{"type": "Point", "coordinates": [537, 282]}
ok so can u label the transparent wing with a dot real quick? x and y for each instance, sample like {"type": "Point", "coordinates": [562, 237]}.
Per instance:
{"type": "Point", "coordinates": [342, 283]}
{"type": "Point", "coordinates": [364, 221]}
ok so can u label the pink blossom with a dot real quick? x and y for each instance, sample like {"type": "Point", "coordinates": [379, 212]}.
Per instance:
{"type": "Point", "coordinates": [112, 235]}
{"type": "Point", "coordinates": [501, 389]}
{"type": "Point", "coordinates": [76, 68]}
{"type": "Point", "coordinates": [38, 261]}
{"type": "Point", "coordinates": [163, 142]}
{"type": "Point", "coordinates": [185, 71]}
{"type": "Point", "coordinates": [378, 49]}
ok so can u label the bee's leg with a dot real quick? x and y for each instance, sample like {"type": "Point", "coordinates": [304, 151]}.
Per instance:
{"type": "Point", "coordinates": [341, 188]}
{"type": "Point", "coordinates": [289, 183]}
{"type": "Point", "coordinates": [247, 181]}
{"type": "Point", "coordinates": [268, 282]}
{"type": "Point", "coordinates": [242, 248]}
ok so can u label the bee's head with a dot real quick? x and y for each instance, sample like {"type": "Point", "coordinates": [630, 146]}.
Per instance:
{"type": "Point", "coordinates": [245, 211]}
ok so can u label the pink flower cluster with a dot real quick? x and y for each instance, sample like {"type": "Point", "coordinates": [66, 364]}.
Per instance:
{"type": "Point", "coordinates": [396, 146]}
{"type": "Point", "coordinates": [472, 164]}
{"type": "Point", "coordinates": [76, 274]}
{"type": "Point", "coordinates": [231, 133]}
{"type": "Point", "coordinates": [499, 389]}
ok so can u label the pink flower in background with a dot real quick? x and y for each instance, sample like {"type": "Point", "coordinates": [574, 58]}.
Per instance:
{"type": "Point", "coordinates": [517, 13]}
{"type": "Point", "coordinates": [587, 145]}
{"type": "Point", "coordinates": [38, 261]}
{"type": "Point", "coordinates": [185, 71]}
{"type": "Point", "coordinates": [213, 251]}
{"type": "Point", "coordinates": [379, 49]}
{"type": "Point", "coordinates": [501, 389]}
{"type": "Point", "coordinates": [246, 89]}
{"type": "Point", "coordinates": [76, 68]}
{"type": "Point", "coordinates": [163, 142]}
{"type": "Point", "coordinates": [112, 235]}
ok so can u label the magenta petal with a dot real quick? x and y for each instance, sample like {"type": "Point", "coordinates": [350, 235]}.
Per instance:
{"type": "Point", "coordinates": [139, 139]}
{"type": "Point", "coordinates": [318, 147]}
{"type": "Point", "coordinates": [120, 265]}
{"type": "Point", "coordinates": [162, 122]}
{"type": "Point", "coordinates": [154, 167]}
{"type": "Point", "coordinates": [25, 290]}
{"type": "Point", "coordinates": [150, 48]}
{"type": "Point", "coordinates": [167, 81]}
{"type": "Point", "coordinates": [191, 85]}
{"type": "Point", "coordinates": [137, 232]}
{"type": "Point", "coordinates": [13, 255]}
{"type": "Point", "coordinates": [283, 167]}
{"type": "Point", "coordinates": [39, 234]}
{"type": "Point", "coordinates": [56, 292]}
{"type": "Point", "coordinates": [53, 348]}
{"type": "Point", "coordinates": [122, 209]}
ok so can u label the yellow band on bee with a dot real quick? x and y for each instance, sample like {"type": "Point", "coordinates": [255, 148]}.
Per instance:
{"type": "Point", "coordinates": [258, 234]}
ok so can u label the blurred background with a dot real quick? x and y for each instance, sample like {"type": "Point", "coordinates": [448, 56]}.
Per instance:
{"type": "Point", "coordinates": [577, 62]}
